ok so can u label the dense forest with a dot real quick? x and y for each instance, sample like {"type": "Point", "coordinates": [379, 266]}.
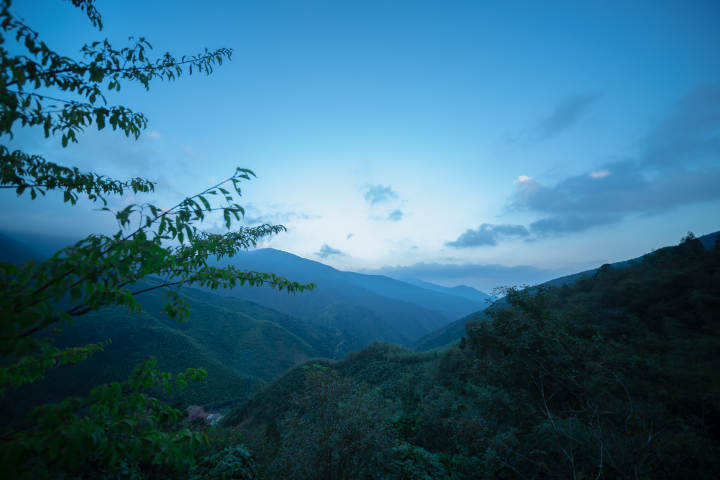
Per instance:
{"type": "Point", "coordinates": [613, 376]}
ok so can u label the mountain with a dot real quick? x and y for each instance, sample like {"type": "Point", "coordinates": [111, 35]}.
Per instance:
{"type": "Point", "coordinates": [32, 245]}
{"type": "Point", "coordinates": [366, 307]}
{"type": "Point", "coordinates": [13, 250]}
{"type": "Point", "coordinates": [708, 242]}
{"type": "Point", "coordinates": [362, 308]}
{"type": "Point", "coordinates": [355, 308]}
{"type": "Point", "coordinates": [462, 291]}
{"type": "Point", "coordinates": [241, 345]}
{"type": "Point", "coordinates": [454, 331]}
{"type": "Point", "coordinates": [612, 375]}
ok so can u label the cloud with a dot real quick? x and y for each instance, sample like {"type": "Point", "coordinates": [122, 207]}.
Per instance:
{"type": "Point", "coordinates": [678, 164]}
{"type": "Point", "coordinates": [326, 251]}
{"type": "Point", "coordinates": [565, 115]}
{"type": "Point", "coordinates": [395, 216]}
{"type": "Point", "coordinates": [487, 235]}
{"type": "Point", "coordinates": [385, 204]}
{"type": "Point", "coordinates": [484, 277]}
{"type": "Point", "coordinates": [690, 133]}
{"type": "Point", "coordinates": [379, 194]}
{"type": "Point", "coordinates": [568, 223]}
{"type": "Point", "coordinates": [255, 215]}
{"type": "Point", "coordinates": [600, 173]}
{"type": "Point", "coordinates": [584, 201]}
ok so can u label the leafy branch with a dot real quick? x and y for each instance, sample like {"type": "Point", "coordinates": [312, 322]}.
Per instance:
{"type": "Point", "coordinates": [105, 68]}
{"type": "Point", "coordinates": [24, 172]}
{"type": "Point", "coordinates": [117, 427]}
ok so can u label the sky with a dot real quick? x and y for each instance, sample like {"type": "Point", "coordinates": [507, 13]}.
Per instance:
{"type": "Point", "coordinates": [487, 143]}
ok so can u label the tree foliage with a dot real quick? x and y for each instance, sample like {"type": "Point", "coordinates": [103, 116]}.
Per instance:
{"type": "Point", "coordinates": [63, 96]}
{"type": "Point", "coordinates": [332, 430]}
{"type": "Point", "coordinates": [116, 430]}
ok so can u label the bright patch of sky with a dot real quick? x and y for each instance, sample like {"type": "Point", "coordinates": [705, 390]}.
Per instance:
{"type": "Point", "coordinates": [556, 135]}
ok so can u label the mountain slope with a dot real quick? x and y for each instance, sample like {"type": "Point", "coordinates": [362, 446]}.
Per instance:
{"type": "Point", "coordinates": [462, 291]}
{"type": "Point", "coordinates": [614, 375]}
{"type": "Point", "coordinates": [708, 242]}
{"type": "Point", "coordinates": [13, 250]}
{"type": "Point", "coordinates": [242, 346]}
{"type": "Point", "coordinates": [355, 308]}
{"type": "Point", "coordinates": [366, 307]}
{"type": "Point", "coordinates": [454, 331]}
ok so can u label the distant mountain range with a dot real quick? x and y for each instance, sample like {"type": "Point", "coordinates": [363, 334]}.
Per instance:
{"type": "Point", "coordinates": [463, 291]}
{"type": "Point", "coordinates": [247, 337]}
{"type": "Point", "coordinates": [362, 307]}
{"type": "Point", "coordinates": [366, 307]}
{"type": "Point", "coordinates": [243, 344]}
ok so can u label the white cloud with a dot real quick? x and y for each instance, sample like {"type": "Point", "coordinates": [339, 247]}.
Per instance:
{"type": "Point", "coordinates": [600, 174]}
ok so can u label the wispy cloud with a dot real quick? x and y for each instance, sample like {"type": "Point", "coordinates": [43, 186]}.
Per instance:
{"type": "Point", "coordinates": [487, 235]}
{"type": "Point", "coordinates": [564, 115]}
{"type": "Point", "coordinates": [273, 214]}
{"type": "Point", "coordinates": [690, 133]}
{"type": "Point", "coordinates": [385, 204]}
{"type": "Point", "coordinates": [327, 251]}
{"type": "Point", "coordinates": [379, 194]}
{"type": "Point", "coordinates": [395, 216]}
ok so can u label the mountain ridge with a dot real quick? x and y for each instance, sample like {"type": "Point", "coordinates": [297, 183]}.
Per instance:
{"type": "Point", "coordinates": [453, 331]}
{"type": "Point", "coordinates": [369, 307]}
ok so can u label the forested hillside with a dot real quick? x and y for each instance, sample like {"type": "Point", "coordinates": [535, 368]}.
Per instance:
{"type": "Point", "coordinates": [242, 346]}
{"type": "Point", "coordinates": [613, 376]}
{"type": "Point", "coordinates": [452, 332]}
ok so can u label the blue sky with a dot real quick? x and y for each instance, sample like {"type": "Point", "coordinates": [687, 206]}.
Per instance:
{"type": "Point", "coordinates": [468, 136]}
